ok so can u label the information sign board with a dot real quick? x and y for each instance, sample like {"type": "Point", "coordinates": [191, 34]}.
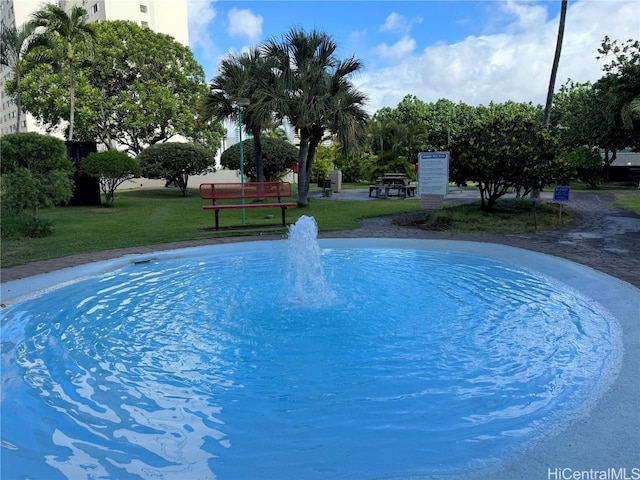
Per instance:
{"type": "Point", "coordinates": [561, 194]}
{"type": "Point", "coordinates": [432, 202]}
{"type": "Point", "coordinates": [433, 173]}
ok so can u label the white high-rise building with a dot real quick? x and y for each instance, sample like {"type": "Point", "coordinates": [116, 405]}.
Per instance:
{"type": "Point", "coordinates": [163, 16]}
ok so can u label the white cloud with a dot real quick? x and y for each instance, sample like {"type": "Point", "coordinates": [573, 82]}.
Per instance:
{"type": "Point", "coordinates": [398, 50]}
{"type": "Point", "coordinates": [243, 22]}
{"type": "Point", "coordinates": [527, 16]}
{"type": "Point", "coordinates": [397, 23]}
{"type": "Point", "coordinates": [514, 65]}
{"type": "Point", "coordinates": [201, 14]}
{"type": "Point", "coordinates": [393, 23]}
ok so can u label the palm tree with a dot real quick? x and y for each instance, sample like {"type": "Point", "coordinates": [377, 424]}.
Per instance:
{"type": "Point", "coordinates": [71, 33]}
{"type": "Point", "coordinates": [15, 44]}
{"type": "Point", "coordinates": [556, 62]}
{"type": "Point", "coordinates": [242, 76]}
{"type": "Point", "coordinates": [313, 94]}
{"type": "Point", "coordinates": [343, 115]}
{"type": "Point", "coordinates": [389, 143]}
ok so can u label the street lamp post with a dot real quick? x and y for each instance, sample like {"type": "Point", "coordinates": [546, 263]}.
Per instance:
{"type": "Point", "coordinates": [242, 102]}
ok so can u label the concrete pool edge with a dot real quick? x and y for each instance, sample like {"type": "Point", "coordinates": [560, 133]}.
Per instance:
{"type": "Point", "coordinates": [602, 439]}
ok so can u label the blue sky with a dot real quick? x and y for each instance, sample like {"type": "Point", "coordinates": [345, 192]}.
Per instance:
{"type": "Point", "coordinates": [471, 51]}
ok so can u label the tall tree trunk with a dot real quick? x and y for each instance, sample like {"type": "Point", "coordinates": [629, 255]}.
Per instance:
{"type": "Point", "coordinates": [304, 173]}
{"type": "Point", "coordinates": [314, 140]}
{"type": "Point", "coordinates": [556, 62]}
{"type": "Point", "coordinates": [257, 150]}
{"type": "Point", "coordinates": [72, 100]}
{"type": "Point", "coordinates": [18, 100]}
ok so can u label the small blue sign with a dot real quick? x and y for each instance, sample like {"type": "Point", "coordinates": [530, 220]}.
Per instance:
{"type": "Point", "coordinates": [561, 194]}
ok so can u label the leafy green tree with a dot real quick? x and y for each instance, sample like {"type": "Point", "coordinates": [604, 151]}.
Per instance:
{"type": "Point", "coordinates": [45, 94]}
{"type": "Point", "coordinates": [176, 162]}
{"type": "Point", "coordinates": [15, 44]}
{"type": "Point", "coordinates": [574, 118]}
{"type": "Point", "coordinates": [602, 114]}
{"type": "Point", "coordinates": [207, 133]}
{"type": "Point", "coordinates": [589, 115]}
{"type": "Point", "coordinates": [146, 89]}
{"type": "Point", "coordinates": [388, 145]}
{"type": "Point", "coordinates": [138, 88]}
{"type": "Point", "coordinates": [36, 173]}
{"type": "Point", "coordinates": [70, 33]}
{"type": "Point", "coordinates": [351, 164]}
{"type": "Point", "coordinates": [421, 124]}
{"type": "Point", "coordinates": [112, 168]}
{"type": "Point", "coordinates": [397, 135]}
{"type": "Point", "coordinates": [324, 160]}
{"type": "Point", "coordinates": [385, 133]}
{"type": "Point", "coordinates": [322, 165]}
{"type": "Point", "coordinates": [587, 165]}
{"type": "Point", "coordinates": [278, 157]}
{"type": "Point", "coordinates": [504, 152]}
{"type": "Point", "coordinates": [622, 84]}
{"type": "Point", "coordinates": [415, 126]}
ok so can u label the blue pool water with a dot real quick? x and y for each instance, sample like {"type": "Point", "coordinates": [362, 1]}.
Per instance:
{"type": "Point", "coordinates": [413, 363]}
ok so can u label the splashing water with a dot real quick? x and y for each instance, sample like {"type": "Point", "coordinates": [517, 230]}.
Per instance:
{"type": "Point", "coordinates": [305, 266]}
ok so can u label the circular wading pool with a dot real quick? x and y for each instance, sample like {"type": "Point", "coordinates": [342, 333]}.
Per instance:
{"type": "Point", "coordinates": [412, 359]}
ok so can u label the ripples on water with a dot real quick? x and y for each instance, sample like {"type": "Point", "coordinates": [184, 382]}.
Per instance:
{"type": "Point", "coordinates": [418, 363]}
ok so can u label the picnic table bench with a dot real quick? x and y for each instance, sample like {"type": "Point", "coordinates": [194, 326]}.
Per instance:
{"type": "Point", "coordinates": [393, 181]}
{"type": "Point", "coordinates": [254, 191]}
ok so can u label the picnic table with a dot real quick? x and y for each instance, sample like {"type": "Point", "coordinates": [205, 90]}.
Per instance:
{"type": "Point", "coordinates": [393, 184]}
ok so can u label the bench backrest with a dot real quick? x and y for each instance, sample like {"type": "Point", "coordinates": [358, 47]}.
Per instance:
{"type": "Point", "coordinates": [217, 191]}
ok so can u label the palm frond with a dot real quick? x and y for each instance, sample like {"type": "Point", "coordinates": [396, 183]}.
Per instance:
{"type": "Point", "coordinates": [630, 112]}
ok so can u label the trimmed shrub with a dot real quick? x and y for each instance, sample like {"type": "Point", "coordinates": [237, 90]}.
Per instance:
{"type": "Point", "coordinates": [112, 168]}
{"type": "Point", "coordinates": [36, 173]}
{"type": "Point", "coordinates": [174, 162]}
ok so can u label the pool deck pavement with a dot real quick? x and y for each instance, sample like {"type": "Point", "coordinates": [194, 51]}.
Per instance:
{"type": "Point", "coordinates": [604, 237]}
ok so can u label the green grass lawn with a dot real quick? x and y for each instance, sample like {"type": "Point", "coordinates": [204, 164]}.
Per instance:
{"type": "Point", "coordinates": [629, 200]}
{"type": "Point", "coordinates": [509, 217]}
{"type": "Point", "coordinates": [147, 217]}
{"type": "Point", "coordinates": [153, 216]}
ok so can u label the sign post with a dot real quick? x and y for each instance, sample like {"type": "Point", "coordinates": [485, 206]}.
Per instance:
{"type": "Point", "coordinates": [561, 194]}
{"type": "Point", "coordinates": [433, 178]}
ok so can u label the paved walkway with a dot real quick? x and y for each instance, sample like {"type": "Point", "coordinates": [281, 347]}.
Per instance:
{"type": "Point", "coordinates": [604, 237]}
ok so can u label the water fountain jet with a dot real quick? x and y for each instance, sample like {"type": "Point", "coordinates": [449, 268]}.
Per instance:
{"type": "Point", "coordinates": [305, 264]}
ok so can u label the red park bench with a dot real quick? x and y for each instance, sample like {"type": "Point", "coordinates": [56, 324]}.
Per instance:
{"type": "Point", "coordinates": [253, 191]}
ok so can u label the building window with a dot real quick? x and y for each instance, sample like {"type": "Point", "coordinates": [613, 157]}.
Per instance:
{"type": "Point", "coordinates": [144, 24]}
{"type": "Point", "coordinates": [143, 9]}
{"type": "Point", "coordinates": [94, 9]}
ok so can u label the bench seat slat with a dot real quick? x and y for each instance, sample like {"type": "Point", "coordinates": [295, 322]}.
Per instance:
{"type": "Point", "coordinates": [249, 205]}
